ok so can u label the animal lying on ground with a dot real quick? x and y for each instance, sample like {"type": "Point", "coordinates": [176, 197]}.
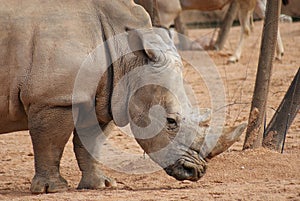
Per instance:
{"type": "Point", "coordinates": [77, 66]}
{"type": "Point", "coordinates": [170, 12]}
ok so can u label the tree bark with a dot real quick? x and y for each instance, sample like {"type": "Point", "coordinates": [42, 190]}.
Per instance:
{"type": "Point", "coordinates": [226, 25]}
{"type": "Point", "coordinates": [289, 107]}
{"type": "Point", "coordinates": [254, 133]}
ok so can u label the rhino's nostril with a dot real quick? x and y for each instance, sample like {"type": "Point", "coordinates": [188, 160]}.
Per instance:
{"type": "Point", "coordinates": [191, 172]}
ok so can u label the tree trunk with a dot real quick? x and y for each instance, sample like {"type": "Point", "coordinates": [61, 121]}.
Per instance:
{"type": "Point", "coordinates": [254, 133]}
{"type": "Point", "coordinates": [226, 25]}
{"type": "Point", "coordinates": [275, 133]}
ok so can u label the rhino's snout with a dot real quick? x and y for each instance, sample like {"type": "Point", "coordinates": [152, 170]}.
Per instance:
{"type": "Point", "coordinates": [185, 170]}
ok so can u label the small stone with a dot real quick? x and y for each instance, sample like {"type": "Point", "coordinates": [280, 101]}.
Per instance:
{"type": "Point", "coordinates": [30, 154]}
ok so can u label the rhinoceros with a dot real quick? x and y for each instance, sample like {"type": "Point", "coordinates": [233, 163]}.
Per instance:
{"type": "Point", "coordinates": [77, 65]}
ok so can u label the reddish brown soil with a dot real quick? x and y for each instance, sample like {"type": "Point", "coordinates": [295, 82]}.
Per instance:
{"type": "Point", "coordinates": [234, 175]}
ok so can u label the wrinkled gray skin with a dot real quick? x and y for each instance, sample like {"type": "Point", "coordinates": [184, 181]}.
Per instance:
{"type": "Point", "coordinates": [44, 43]}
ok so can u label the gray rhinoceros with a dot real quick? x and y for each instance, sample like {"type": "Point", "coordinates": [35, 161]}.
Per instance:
{"type": "Point", "coordinates": [75, 66]}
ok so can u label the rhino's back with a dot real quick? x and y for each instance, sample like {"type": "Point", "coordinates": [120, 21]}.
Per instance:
{"type": "Point", "coordinates": [42, 45]}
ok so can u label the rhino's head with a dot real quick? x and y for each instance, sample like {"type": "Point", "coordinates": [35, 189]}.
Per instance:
{"type": "Point", "coordinates": [155, 104]}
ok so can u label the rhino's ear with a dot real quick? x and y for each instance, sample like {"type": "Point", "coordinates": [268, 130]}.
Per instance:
{"type": "Point", "coordinates": [148, 42]}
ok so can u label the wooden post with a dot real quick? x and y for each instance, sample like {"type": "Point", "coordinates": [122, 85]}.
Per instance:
{"type": "Point", "coordinates": [226, 25]}
{"type": "Point", "coordinates": [274, 136]}
{"type": "Point", "coordinates": [254, 133]}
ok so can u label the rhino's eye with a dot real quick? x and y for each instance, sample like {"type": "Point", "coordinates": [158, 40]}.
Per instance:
{"type": "Point", "coordinates": [172, 123]}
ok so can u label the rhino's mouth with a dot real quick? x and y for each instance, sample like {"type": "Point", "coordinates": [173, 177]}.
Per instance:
{"type": "Point", "coordinates": [187, 169]}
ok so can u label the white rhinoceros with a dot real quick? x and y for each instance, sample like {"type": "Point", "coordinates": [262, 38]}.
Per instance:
{"type": "Point", "coordinates": [53, 83]}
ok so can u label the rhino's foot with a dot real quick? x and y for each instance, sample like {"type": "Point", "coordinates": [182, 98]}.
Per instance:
{"type": "Point", "coordinates": [96, 181]}
{"type": "Point", "coordinates": [48, 185]}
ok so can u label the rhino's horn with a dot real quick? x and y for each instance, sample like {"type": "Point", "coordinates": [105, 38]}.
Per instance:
{"type": "Point", "coordinates": [229, 136]}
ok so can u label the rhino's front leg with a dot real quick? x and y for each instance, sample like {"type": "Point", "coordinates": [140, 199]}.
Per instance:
{"type": "Point", "coordinates": [50, 129]}
{"type": "Point", "coordinates": [92, 176]}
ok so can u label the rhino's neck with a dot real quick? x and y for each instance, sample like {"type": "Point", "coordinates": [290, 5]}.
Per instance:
{"type": "Point", "coordinates": [113, 88]}
{"type": "Point", "coordinates": [103, 97]}
{"type": "Point", "coordinates": [120, 90]}
{"type": "Point", "coordinates": [114, 26]}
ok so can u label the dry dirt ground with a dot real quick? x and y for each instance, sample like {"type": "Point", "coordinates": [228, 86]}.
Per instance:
{"type": "Point", "coordinates": [234, 175]}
